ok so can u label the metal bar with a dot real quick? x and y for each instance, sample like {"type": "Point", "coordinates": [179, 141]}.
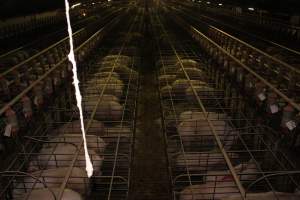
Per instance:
{"type": "Point", "coordinates": [205, 114]}
{"type": "Point", "coordinates": [67, 176]}
{"type": "Point", "coordinates": [25, 91]}
{"type": "Point", "coordinates": [196, 33]}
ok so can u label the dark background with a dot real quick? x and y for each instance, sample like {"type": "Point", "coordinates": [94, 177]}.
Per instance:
{"type": "Point", "coordinates": [284, 6]}
{"type": "Point", "coordinates": [10, 8]}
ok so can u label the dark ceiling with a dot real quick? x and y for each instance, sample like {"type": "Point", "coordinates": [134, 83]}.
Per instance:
{"type": "Point", "coordinates": [281, 6]}
{"type": "Point", "coordinates": [10, 8]}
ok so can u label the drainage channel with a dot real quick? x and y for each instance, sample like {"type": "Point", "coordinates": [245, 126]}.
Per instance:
{"type": "Point", "coordinates": [150, 179]}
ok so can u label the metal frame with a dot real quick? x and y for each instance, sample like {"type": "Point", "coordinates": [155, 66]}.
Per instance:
{"type": "Point", "coordinates": [248, 141]}
{"type": "Point", "coordinates": [17, 78]}
{"type": "Point", "coordinates": [117, 162]}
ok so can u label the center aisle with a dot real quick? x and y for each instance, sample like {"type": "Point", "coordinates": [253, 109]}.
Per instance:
{"type": "Point", "coordinates": [149, 179]}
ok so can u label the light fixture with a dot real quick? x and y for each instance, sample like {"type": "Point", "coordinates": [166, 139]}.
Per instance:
{"type": "Point", "coordinates": [251, 9]}
{"type": "Point", "coordinates": [220, 4]}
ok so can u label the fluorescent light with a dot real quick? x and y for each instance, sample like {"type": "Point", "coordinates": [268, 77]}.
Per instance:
{"type": "Point", "coordinates": [252, 9]}
{"type": "Point", "coordinates": [220, 4]}
{"type": "Point", "coordinates": [208, 2]}
{"type": "Point", "coordinates": [75, 5]}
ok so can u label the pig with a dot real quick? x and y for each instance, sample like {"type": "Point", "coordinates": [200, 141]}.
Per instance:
{"type": "Point", "coordinates": [166, 80]}
{"type": "Point", "coordinates": [93, 142]}
{"type": "Point", "coordinates": [107, 110]}
{"type": "Point", "coordinates": [124, 60]}
{"type": "Point", "coordinates": [187, 115]}
{"type": "Point", "coordinates": [168, 60]}
{"type": "Point", "coordinates": [207, 191]}
{"type": "Point", "coordinates": [124, 72]}
{"type": "Point", "coordinates": [187, 63]}
{"type": "Point", "coordinates": [110, 86]}
{"type": "Point", "coordinates": [97, 128]}
{"type": "Point", "coordinates": [115, 131]}
{"type": "Point", "coordinates": [105, 97]}
{"type": "Point", "coordinates": [61, 155]}
{"type": "Point", "coordinates": [109, 80]}
{"type": "Point", "coordinates": [204, 93]}
{"type": "Point", "coordinates": [46, 194]}
{"type": "Point", "coordinates": [78, 181]}
{"type": "Point", "coordinates": [265, 196]}
{"type": "Point", "coordinates": [171, 118]}
{"type": "Point", "coordinates": [111, 137]}
{"type": "Point", "coordinates": [107, 134]}
{"type": "Point", "coordinates": [180, 85]}
{"type": "Point", "coordinates": [93, 90]}
{"type": "Point", "coordinates": [168, 70]}
{"type": "Point", "coordinates": [193, 73]}
{"type": "Point", "coordinates": [246, 172]}
{"type": "Point", "coordinates": [204, 161]}
{"type": "Point", "coordinates": [166, 92]}
{"type": "Point", "coordinates": [198, 131]}
{"type": "Point", "coordinates": [107, 74]}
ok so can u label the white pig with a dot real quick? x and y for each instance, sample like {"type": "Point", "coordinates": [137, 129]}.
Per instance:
{"type": "Point", "coordinates": [204, 92]}
{"type": "Point", "coordinates": [124, 72]}
{"type": "Point", "coordinates": [107, 74]}
{"type": "Point", "coordinates": [198, 131]}
{"type": "Point", "coordinates": [93, 142]}
{"type": "Point", "coordinates": [46, 194]}
{"type": "Point", "coordinates": [106, 110]}
{"type": "Point", "coordinates": [201, 115]}
{"type": "Point", "coordinates": [203, 161]}
{"type": "Point", "coordinates": [110, 86]}
{"type": "Point", "coordinates": [180, 85]}
{"type": "Point", "coordinates": [61, 155]}
{"type": "Point", "coordinates": [97, 128]}
{"type": "Point", "coordinates": [168, 70]}
{"type": "Point", "coordinates": [166, 92]}
{"type": "Point", "coordinates": [265, 196]}
{"type": "Point", "coordinates": [193, 73]}
{"type": "Point", "coordinates": [187, 63]}
{"type": "Point", "coordinates": [53, 178]}
{"type": "Point", "coordinates": [207, 191]}
{"type": "Point", "coordinates": [125, 60]}
{"type": "Point", "coordinates": [247, 172]}
{"type": "Point", "coordinates": [166, 80]}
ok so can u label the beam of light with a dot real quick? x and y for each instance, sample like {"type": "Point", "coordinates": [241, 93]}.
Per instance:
{"type": "Point", "coordinates": [71, 56]}
{"type": "Point", "coordinates": [75, 5]}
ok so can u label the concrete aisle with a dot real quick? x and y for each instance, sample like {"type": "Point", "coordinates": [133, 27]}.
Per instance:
{"type": "Point", "coordinates": [150, 179]}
